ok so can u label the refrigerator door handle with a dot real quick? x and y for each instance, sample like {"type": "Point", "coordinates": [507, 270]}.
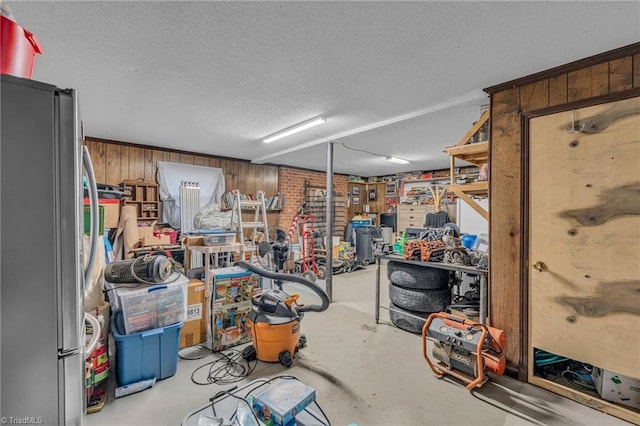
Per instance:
{"type": "Point", "coordinates": [93, 200]}
{"type": "Point", "coordinates": [67, 352]}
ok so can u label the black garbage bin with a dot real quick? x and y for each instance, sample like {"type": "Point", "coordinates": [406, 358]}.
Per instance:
{"type": "Point", "coordinates": [388, 219]}
{"type": "Point", "coordinates": [364, 248]}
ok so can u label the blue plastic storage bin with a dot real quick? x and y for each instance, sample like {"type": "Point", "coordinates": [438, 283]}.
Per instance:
{"type": "Point", "coordinates": [145, 355]}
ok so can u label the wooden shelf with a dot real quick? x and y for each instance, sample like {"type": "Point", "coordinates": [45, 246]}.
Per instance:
{"type": "Point", "coordinates": [480, 188]}
{"type": "Point", "coordinates": [475, 153]}
{"type": "Point", "coordinates": [144, 196]}
{"type": "Point", "coordinates": [435, 179]}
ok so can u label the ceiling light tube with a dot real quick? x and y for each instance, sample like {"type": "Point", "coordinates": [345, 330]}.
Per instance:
{"type": "Point", "coordinates": [397, 160]}
{"type": "Point", "coordinates": [294, 129]}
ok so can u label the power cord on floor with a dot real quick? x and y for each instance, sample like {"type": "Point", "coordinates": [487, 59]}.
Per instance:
{"type": "Point", "coordinates": [231, 367]}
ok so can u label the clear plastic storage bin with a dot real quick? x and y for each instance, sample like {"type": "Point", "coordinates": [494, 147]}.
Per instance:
{"type": "Point", "coordinates": [152, 307]}
{"type": "Point", "coordinates": [146, 306]}
{"type": "Point", "coordinates": [219, 239]}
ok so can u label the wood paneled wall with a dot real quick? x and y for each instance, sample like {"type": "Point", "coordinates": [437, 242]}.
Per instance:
{"type": "Point", "coordinates": [564, 87]}
{"type": "Point", "coordinates": [378, 206]}
{"type": "Point", "coordinates": [115, 161]}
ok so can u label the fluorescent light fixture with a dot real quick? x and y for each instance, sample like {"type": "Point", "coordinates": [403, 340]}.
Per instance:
{"type": "Point", "coordinates": [397, 160]}
{"type": "Point", "coordinates": [294, 129]}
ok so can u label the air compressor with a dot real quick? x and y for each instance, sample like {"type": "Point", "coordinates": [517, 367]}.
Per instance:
{"type": "Point", "coordinates": [463, 349]}
{"type": "Point", "coordinates": [275, 316]}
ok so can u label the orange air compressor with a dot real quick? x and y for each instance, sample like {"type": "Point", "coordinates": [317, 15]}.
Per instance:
{"type": "Point", "coordinates": [463, 349]}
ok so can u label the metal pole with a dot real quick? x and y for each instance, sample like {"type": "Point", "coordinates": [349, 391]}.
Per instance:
{"type": "Point", "coordinates": [378, 289]}
{"type": "Point", "coordinates": [329, 231]}
{"type": "Point", "coordinates": [483, 298]}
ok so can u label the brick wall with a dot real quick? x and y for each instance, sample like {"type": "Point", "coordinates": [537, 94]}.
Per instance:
{"type": "Point", "coordinates": [291, 183]}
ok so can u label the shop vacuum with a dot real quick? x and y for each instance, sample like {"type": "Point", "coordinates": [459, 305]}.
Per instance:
{"type": "Point", "coordinates": [274, 319]}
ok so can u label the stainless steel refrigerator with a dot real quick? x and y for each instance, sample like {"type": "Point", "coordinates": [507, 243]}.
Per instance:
{"type": "Point", "coordinates": [41, 254]}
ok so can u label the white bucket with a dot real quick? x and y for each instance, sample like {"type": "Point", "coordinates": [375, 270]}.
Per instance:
{"type": "Point", "coordinates": [386, 234]}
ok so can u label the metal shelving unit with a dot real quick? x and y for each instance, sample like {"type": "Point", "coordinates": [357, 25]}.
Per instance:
{"type": "Point", "coordinates": [315, 203]}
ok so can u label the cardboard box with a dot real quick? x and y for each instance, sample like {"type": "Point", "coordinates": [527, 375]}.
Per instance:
{"type": "Point", "coordinates": [617, 388]}
{"type": "Point", "coordinates": [111, 211]}
{"type": "Point", "coordinates": [194, 327]}
{"type": "Point", "coordinates": [191, 241]}
{"type": "Point", "coordinates": [145, 231]}
{"type": "Point", "coordinates": [232, 290]}
{"type": "Point", "coordinates": [335, 253]}
{"type": "Point", "coordinates": [152, 240]}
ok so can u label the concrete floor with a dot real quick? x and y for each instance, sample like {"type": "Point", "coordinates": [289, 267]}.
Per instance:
{"type": "Point", "coordinates": [364, 374]}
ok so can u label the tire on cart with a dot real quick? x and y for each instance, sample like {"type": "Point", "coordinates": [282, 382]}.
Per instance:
{"type": "Point", "coordinates": [322, 272]}
{"type": "Point", "coordinates": [417, 277]}
{"type": "Point", "coordinates": [406, 322]}
{"type": "Point", "coordinates": [420, 300]}
{"type": "Point", "coordinates": [309, 275]}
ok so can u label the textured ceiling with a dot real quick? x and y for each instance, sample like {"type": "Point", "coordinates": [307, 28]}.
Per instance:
{"type": "Point", "coordinates": [392, 78]}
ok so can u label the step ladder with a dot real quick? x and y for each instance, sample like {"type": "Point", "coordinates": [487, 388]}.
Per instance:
{"type": "Point", "coordinates": [259, 222]}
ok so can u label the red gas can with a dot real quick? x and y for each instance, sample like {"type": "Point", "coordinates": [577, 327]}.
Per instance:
{"type": "Point", "coordinates": [18, 49]}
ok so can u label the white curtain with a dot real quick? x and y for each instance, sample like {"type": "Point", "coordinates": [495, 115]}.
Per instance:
{"type": "Point", "coordinates": [170, 175]}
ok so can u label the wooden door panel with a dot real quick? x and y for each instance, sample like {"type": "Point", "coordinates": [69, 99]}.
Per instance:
{"type": "Point", "coordinates": [584, 228]}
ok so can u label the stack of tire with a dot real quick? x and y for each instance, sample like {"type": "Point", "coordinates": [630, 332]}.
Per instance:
{"type": "Point", "coordinates": [416, 290]}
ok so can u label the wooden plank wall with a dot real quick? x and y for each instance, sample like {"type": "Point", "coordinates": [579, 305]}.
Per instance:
{"type": "Point", "coordinates": [115, 161]}
{"type": "Point", "coordinates": [610, 73]}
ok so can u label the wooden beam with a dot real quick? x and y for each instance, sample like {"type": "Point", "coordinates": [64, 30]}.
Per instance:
{"type": "Point", "coordinates": [621, 74]}
{"type": "Point", "coordinates": [504, 229]}
{"type": "Point", "coordinates": [558, 90]}
{"type": "Point", "coordinates": [534, 95]}
{"type": "Point", "coordinates": [632, 49]}
{"type": "Point", "coordinates": [483, 119]}
{"type": "Point", "coordinates": [467, 199]}
{"type": "Point", "coordinates": [474, 153]}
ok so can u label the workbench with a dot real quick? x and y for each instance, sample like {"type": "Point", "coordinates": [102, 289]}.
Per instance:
{"type": "Point", "coordinates": [469, 270]}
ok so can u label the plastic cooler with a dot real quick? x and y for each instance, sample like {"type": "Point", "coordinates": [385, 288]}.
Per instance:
{"type": "Point", "coordinates": [18, 49]}
{"type": "Point", "coordinates": [145, 355]}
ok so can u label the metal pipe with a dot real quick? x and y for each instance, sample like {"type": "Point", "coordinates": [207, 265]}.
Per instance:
{"type": "Point", "coordinates": [329, 232]}
{"type": "Point", "coordinates": [378, 261]}
{"type": "Point", "coordinates": [483, 299]}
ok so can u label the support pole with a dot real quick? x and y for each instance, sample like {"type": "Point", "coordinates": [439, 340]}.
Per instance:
{"type": "Point", "coordinates": [329, 230]}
